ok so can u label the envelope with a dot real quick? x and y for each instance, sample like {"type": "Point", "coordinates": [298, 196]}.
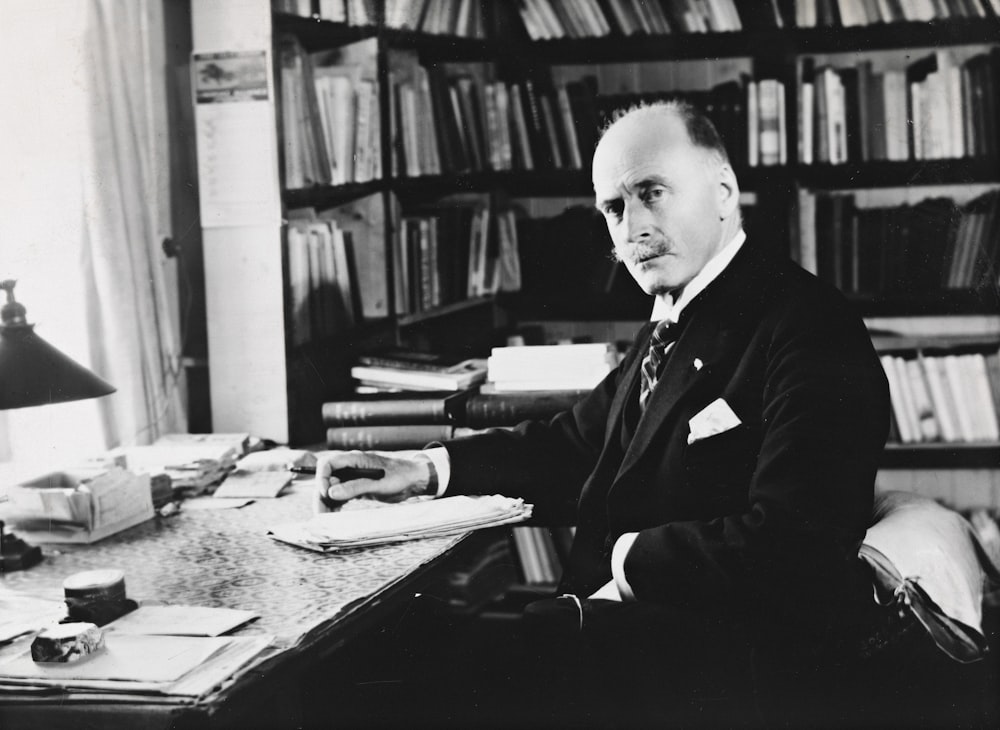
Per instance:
{"type": "Point", "coordinates": [715, 418]}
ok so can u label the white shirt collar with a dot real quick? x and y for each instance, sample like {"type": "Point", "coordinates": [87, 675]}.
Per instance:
{"type": "Point", "coordinates": [664, 306]}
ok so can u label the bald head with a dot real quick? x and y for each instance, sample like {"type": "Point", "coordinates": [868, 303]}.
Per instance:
{"type": "Point", "coordinates": [699, 130]}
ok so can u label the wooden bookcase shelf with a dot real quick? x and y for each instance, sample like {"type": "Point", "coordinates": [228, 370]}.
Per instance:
{"type": "Point", "coordinates": [886, 174]}
{"type": "Point", "coordinates": [316, 34]}
{"type": "Point", "coordinates": [950, 32]}
{"type": "Point", "coordinates": [942, 456]}
{"type": "Point", "coordinates": [615, 49]}
{"type": "Point", "coordinates": [780, 42]}
{"type": "Point", "coordinates": [326, 196]}
{"type": "Point", "coordinates": [444, 311]}
{"type": "Point", "coordinates": [942, 302]}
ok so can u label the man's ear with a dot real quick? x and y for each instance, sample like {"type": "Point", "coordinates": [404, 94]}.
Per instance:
{"type": "Point", "coordinates": [729, 190]}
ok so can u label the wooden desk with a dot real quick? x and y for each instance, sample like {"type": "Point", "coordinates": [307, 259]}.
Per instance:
{"type": "Point", "coordinates": [312, 604]}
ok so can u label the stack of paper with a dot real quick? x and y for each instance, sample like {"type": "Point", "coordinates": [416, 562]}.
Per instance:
{"type": "Point", "coordinates": [163, 650]}
{"type": "Point", "coordinates": [333, 531]}
{"type": "Point", "coordinates": [139, 664]}
{"type": "Point", "coordinates": [192, 465]}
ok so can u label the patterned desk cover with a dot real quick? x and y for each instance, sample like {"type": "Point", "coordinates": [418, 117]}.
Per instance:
{"type": "Point", "coordinates": [224, 558]}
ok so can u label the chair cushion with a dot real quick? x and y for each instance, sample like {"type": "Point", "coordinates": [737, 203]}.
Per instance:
{"type": "Point", "coordinates": [938, 563]}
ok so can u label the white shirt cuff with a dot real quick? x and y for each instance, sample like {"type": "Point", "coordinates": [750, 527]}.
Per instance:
{"type": "Point", "coordinates": [622, 545]}
{"type": "Point", "coordinates": [442, 464]}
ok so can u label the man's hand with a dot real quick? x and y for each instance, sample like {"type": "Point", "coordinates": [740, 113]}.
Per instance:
{"type": "Point", "coordinates": [407, 474]}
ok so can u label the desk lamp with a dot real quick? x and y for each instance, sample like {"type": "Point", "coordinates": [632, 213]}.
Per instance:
{"type": "Point", "coordinates": [33, 373]}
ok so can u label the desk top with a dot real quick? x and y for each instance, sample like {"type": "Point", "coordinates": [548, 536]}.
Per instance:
{"type": "Point", "coordinates": [224, 558]}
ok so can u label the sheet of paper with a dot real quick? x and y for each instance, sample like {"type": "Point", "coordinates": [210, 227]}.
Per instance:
{"type": "Point", "coordinates": [20, 614]}
{"type": "Point", "coordinates": [197, 503]}
{"type": "Point", "coordinates": [254, 484]}
{"type": "Point", "coordinates": [179, 621]}
{"type": "Point", "coordinates": [124, 658]}
{"type": "Point", "coordinates": [119, 495]}
{"type": "Point", "coordinates": [276, 460]}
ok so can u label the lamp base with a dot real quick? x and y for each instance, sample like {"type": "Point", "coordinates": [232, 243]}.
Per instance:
{"type": "Point", "coordinates": [16, 554]}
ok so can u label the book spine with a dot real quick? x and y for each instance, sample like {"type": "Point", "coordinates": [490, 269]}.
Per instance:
{"type": "Point", "coordinates": [388, 412]}
{"type": "Point", "coordinates": [413, 436]}
{"type": "Point", "coordinates": [482, 411]}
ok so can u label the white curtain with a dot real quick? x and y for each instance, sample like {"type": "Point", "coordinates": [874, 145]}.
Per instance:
{"type": "Point", "coordinates": [85, 205]}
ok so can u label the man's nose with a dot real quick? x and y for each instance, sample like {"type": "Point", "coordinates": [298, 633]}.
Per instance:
{"type": "Point", "coordinates": [638, 222]}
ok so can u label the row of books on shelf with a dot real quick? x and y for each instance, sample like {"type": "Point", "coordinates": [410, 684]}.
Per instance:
{"type": "Point", "coordinates": [929, 246]}
{"type": "Point", "coordinates": [944, 396]}
{"type": "Point", "coordinates": [329, 114]}
{"type": "Point", "coordinates": [351, 12]}
{"type": "Point", "coordinates": [937, 107]}
{"type": "Point", "coordinates": [449, 17]}
{"type": "Point", "coordinates": [458, 117]}
{"type": "Point", "coordinates": [548, 19]}
{"type": "Point", "coordinates": [454, 252]}
{"type": "Point", "coordinates": [847, 13]}
{"type": "Point", "coordinates": [463, 18]}
{"type": "Point", "coordinates": [457, 250]}
{"type": "Point", "coordinates": [540, 552]}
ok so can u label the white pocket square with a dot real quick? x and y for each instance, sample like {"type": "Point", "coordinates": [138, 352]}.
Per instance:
{"type": "Point", "coordinates": [715, 418]}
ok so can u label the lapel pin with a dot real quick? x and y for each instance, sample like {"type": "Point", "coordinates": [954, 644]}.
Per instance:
{"type": "Point", "coordinates": [698, 364]}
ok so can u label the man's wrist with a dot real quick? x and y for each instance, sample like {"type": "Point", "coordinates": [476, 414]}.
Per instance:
{"type": "Point", "coordinates": [441, 465]}
{"type": "Point", "coordinates": [432, 478]}
{"type": "Point", "coordinates": [429, 482]}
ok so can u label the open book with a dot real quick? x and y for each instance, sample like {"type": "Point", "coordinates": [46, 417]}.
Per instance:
{"type": "Point", "coordinates": [411, 520]}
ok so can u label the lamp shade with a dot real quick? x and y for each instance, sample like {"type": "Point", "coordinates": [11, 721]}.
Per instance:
{"type": "Point", "coordinates": [33, 372]}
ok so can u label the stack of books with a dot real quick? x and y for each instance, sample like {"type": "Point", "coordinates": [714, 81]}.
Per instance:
{"type": "Point", "coordinates": [550, 367]}
{"type": "Point", "coordinates": [412, 419]}
{"type": "Point", "coordinates": [396, 371]}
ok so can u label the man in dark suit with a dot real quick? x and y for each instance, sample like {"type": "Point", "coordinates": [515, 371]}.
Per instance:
{"type": "Point", "coordinates": [722, 476]}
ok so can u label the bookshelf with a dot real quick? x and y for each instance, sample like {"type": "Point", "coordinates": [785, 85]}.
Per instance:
{"type": "Point", "coordinates": [626, 68]}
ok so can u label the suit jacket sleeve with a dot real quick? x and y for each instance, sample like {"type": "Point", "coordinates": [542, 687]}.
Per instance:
{"type": "Point", "coordinates": [546, 463]}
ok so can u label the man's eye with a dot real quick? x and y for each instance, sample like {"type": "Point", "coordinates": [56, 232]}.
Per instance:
{"type": "Point", "coordinates": [613, 209]}
{"type": "Point", "coordinates": [653, 194]}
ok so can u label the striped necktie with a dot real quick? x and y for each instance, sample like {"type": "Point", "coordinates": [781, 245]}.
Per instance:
{"type": "Point", "coordinates": [663, 336]}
